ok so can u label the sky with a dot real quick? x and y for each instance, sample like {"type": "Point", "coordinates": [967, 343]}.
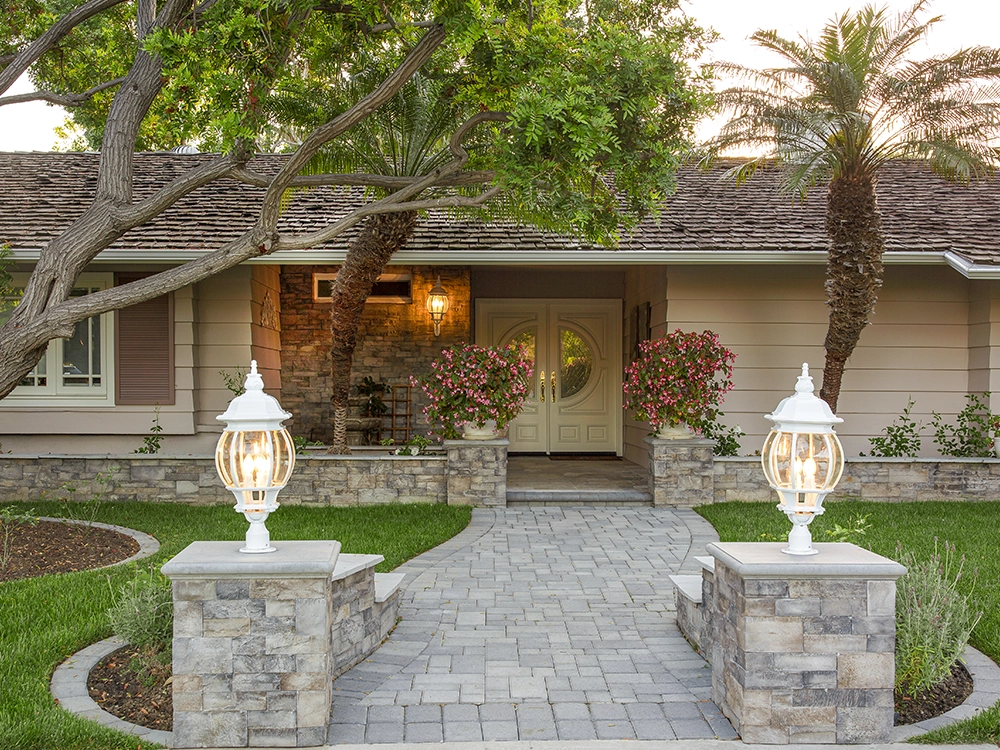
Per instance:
{"type": "Point", "coordinates": [29, 127]}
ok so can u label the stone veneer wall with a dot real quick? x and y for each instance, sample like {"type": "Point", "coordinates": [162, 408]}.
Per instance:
{"type": "Point", "coordinates": [319, 480]}
{"type": "Point", "coordinates": [801, 649]}
{"type": "Point", "coordinates": [394, 342]}
{"type": "Point", "coordinates": [680, 471]}
{"type": "Point", "coordinates": [878, 479]}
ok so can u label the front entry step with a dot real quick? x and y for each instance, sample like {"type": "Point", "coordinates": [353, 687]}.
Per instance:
{"type": "Point", "coordinates": [600, 498]}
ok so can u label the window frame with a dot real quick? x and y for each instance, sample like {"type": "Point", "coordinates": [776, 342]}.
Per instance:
{"type": "Point", "coordinates": [373, 299]}
{"type": "Point", "coordinates": [54, 392]}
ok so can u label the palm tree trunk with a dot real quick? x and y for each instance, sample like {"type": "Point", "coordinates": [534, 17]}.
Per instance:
{"type": "Point", "coordinates": [853, 272]}
{"type": "Point", "coordinates": [380, 237]}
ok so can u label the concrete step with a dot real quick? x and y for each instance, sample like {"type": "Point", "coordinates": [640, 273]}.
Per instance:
{"type": "Point", "coordinates": [578, 497]}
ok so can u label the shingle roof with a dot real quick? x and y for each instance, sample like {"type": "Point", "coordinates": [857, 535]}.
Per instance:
{"type": "Point", "coordinates": [43, 192]}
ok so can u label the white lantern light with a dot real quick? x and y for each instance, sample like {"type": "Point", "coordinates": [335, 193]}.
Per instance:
{"type": "Point", "coordinates": [255, 457]}
{"type": "Point", "coordinates": [437, 305]}
{"type": "Point", "coordinates": [802, 459]}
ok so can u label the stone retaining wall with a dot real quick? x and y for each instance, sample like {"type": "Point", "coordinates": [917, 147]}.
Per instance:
{"type": "Point", "coordinates": [878, 479]}
{"type": "Point", "coordinates": [317, 480]}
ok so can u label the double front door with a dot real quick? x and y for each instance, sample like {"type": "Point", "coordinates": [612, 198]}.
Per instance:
{"type": "Point", "coordinates": [575, 401]}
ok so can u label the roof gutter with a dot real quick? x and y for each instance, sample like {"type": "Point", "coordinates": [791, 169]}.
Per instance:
{"type": "Point", "coordinates": [511, 257]}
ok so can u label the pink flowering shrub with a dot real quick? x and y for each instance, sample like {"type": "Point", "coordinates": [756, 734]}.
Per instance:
{"type": "Point", "coordinates": [474, 384]}
{"type": "Point", "coordinates": [682, 377]}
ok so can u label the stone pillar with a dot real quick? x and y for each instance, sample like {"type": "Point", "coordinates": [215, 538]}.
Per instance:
{"type": "Point", "coordinates": [252, 644]}
{"type": "Point", "coordinates": [802, 648]}
{"type": "Point", "coordinates": [477, 472]}
{"type": "Point", "coordinates": [681, 471]}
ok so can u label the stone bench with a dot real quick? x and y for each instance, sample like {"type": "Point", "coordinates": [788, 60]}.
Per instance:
{"type": "Point", "coordinates": [688, 605]}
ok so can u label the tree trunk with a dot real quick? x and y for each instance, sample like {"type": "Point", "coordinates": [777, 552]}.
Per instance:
{"type": "Point", "coordinates": [380, 237]}
{"type": "Point", "coordinates": [853, 272]}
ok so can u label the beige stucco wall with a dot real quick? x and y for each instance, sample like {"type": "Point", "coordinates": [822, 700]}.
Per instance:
{"type": "Point", "coordinates": [928, 326]}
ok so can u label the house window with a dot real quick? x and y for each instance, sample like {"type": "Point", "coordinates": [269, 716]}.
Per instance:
{"type": "Point", "coordinates": [75, 369]}
{"type": "Point", "coordinates": [389, 289]}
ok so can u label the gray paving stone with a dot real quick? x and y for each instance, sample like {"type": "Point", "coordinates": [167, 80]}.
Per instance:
{"type": "Point", "coordinates": [547, 608]}
{"type": "Point", "coordinates": [576, 729]}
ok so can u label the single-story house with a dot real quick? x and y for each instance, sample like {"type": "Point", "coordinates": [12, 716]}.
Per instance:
{"type": "Point", "coordinates": [748, 263]}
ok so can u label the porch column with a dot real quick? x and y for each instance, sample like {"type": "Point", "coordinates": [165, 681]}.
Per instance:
{"type": "Point", "coordinates": [802, 648]}
{"type": "Point", "coordinates": [252, 646]}
{"type": "Point", "coordinates": [477, 472]}
{"type": "Point", "coordinates": [681, 471]}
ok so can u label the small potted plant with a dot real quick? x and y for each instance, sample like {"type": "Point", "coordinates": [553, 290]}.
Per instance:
{"type": "Point", "coordinates": [475, 391]}
{"type": "Point", "coordinates": [679, 381]}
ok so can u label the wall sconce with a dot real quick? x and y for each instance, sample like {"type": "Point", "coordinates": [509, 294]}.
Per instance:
{"type": "Point", "coordinates": [802, 459]}
{"type": "Point", "coordinates": [437, 305]}
{"type": "Point", "coordinates": [255, 457]}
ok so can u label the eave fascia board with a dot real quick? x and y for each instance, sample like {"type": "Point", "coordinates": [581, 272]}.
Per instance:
{"type": "Point", "coordinates": [548, 258]}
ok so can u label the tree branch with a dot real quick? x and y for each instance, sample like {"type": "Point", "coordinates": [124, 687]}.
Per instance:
{"type": "Point", "coordinates": [23, 60]}
{"type": "Point", "coordinates": [162, 199]}
{"type": "Point", "coordinates": [307, 241]}
{"type": "Point", "coordinates": [63, 100]}
{"type": "Point", "coordinates": [249, 177]}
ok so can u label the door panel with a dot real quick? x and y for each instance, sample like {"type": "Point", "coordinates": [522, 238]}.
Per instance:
{"type": "Point", "coordinates": [574, 405]}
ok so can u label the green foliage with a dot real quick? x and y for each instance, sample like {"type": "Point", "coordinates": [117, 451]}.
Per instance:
{"type": "Point", "coordinates": [412, 447]}
{"type": "Point", "coordinates": [933, 620]}
{"type": "Point", "coordinates": [301, 442]}
{"type": "Point", "coordinates": [374, 406]}
{"type": "Point", "coordinates": [901, 439]}
{"type": "Point", "coordinates": [601, 102]}
{"type": "Point", "coordinates": [10, 518]}
{"type": "Point", "coordinates": [8, 293]}
{"type": "Point", "coordinates": [851, 100]}
{"type": "Point", "coordinates": [44, 620]}
{"type": "Point", "coordinates": [151, 443]}
{"type": "Point", "coordinates": [143, 611]}
{"type": "Point", "coordinates": [856, 527]}
{"type": "Point", "coordinates": [727, 439]}
{"type": "Point", "coordinates": [234, 380]}
{"type": "Point", "coordinates": [972, 434]}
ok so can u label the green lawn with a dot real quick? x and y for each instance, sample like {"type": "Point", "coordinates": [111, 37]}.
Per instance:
{"type": "Point", "coordinates": [972, 527]}
{"type": "Point", "coordinates": [44, 620]}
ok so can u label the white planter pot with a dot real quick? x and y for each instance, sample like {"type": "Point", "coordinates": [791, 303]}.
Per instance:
{"type": "Point", "coordinates": [674, 432]}
{"type": "Point", "coordinates": [474, 432]}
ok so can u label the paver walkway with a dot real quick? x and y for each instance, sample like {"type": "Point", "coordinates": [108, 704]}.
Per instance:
{"type": "Point", "coordinates": [540, 624]}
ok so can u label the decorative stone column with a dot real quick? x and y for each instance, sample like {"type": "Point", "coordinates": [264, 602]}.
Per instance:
{"type": "Point", "coordinates": [681, 471]}
{"type": "Point", "coordinates": [252, 644]}
{"type": "Point", "coordinates": [477, 472]}
{"type": "Point", "coordinates": [802, 648]}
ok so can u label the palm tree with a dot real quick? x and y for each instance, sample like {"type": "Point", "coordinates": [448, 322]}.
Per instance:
{"type": "Point", "coordinates": [843, 107]}
{"type": "Point", "coordinates": [407, 137]}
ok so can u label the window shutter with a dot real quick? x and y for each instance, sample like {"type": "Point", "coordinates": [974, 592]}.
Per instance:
{"type": "Point", "coordinates": [144, 349]}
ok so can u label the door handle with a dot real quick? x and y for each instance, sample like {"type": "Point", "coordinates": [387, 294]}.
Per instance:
{"type": "Point", "coordinates": [541, 388]}
{"type": "Point", "coordinates": [552, 378]}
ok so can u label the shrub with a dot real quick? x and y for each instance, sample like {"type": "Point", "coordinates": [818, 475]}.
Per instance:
{"type": "Point", "coordinates": [933, 620]}
{"type": "Point", "coordinates": [674, 379]}
{"type": "Point", "coordinates": [727, 439]}
{"type": "Point", "coordinates": [972, 435]}
{"type": "Point", "coordinates": [143, 612]}
{"type": "Point", "coordinates": [901, 439]}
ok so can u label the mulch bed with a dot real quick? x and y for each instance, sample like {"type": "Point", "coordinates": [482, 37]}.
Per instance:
{"type": "Point", "coordinates": [144, 700]}
{"type": "Point", "coordinates": [54, 547]}
{"type": "Point", "coordinates": [941, 698]}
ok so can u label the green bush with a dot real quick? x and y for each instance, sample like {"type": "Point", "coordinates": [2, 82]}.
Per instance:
{"type": "Point", "coordinates": [972, 435]}
{"type": "Point", "coordinates": [901, 439]}
{"type": "Point", "coordinates": [933, 620]}
{"type": "Point", "coordinates": [143, 612]}
{"type": "Point", "coordinates": [727, 439]}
